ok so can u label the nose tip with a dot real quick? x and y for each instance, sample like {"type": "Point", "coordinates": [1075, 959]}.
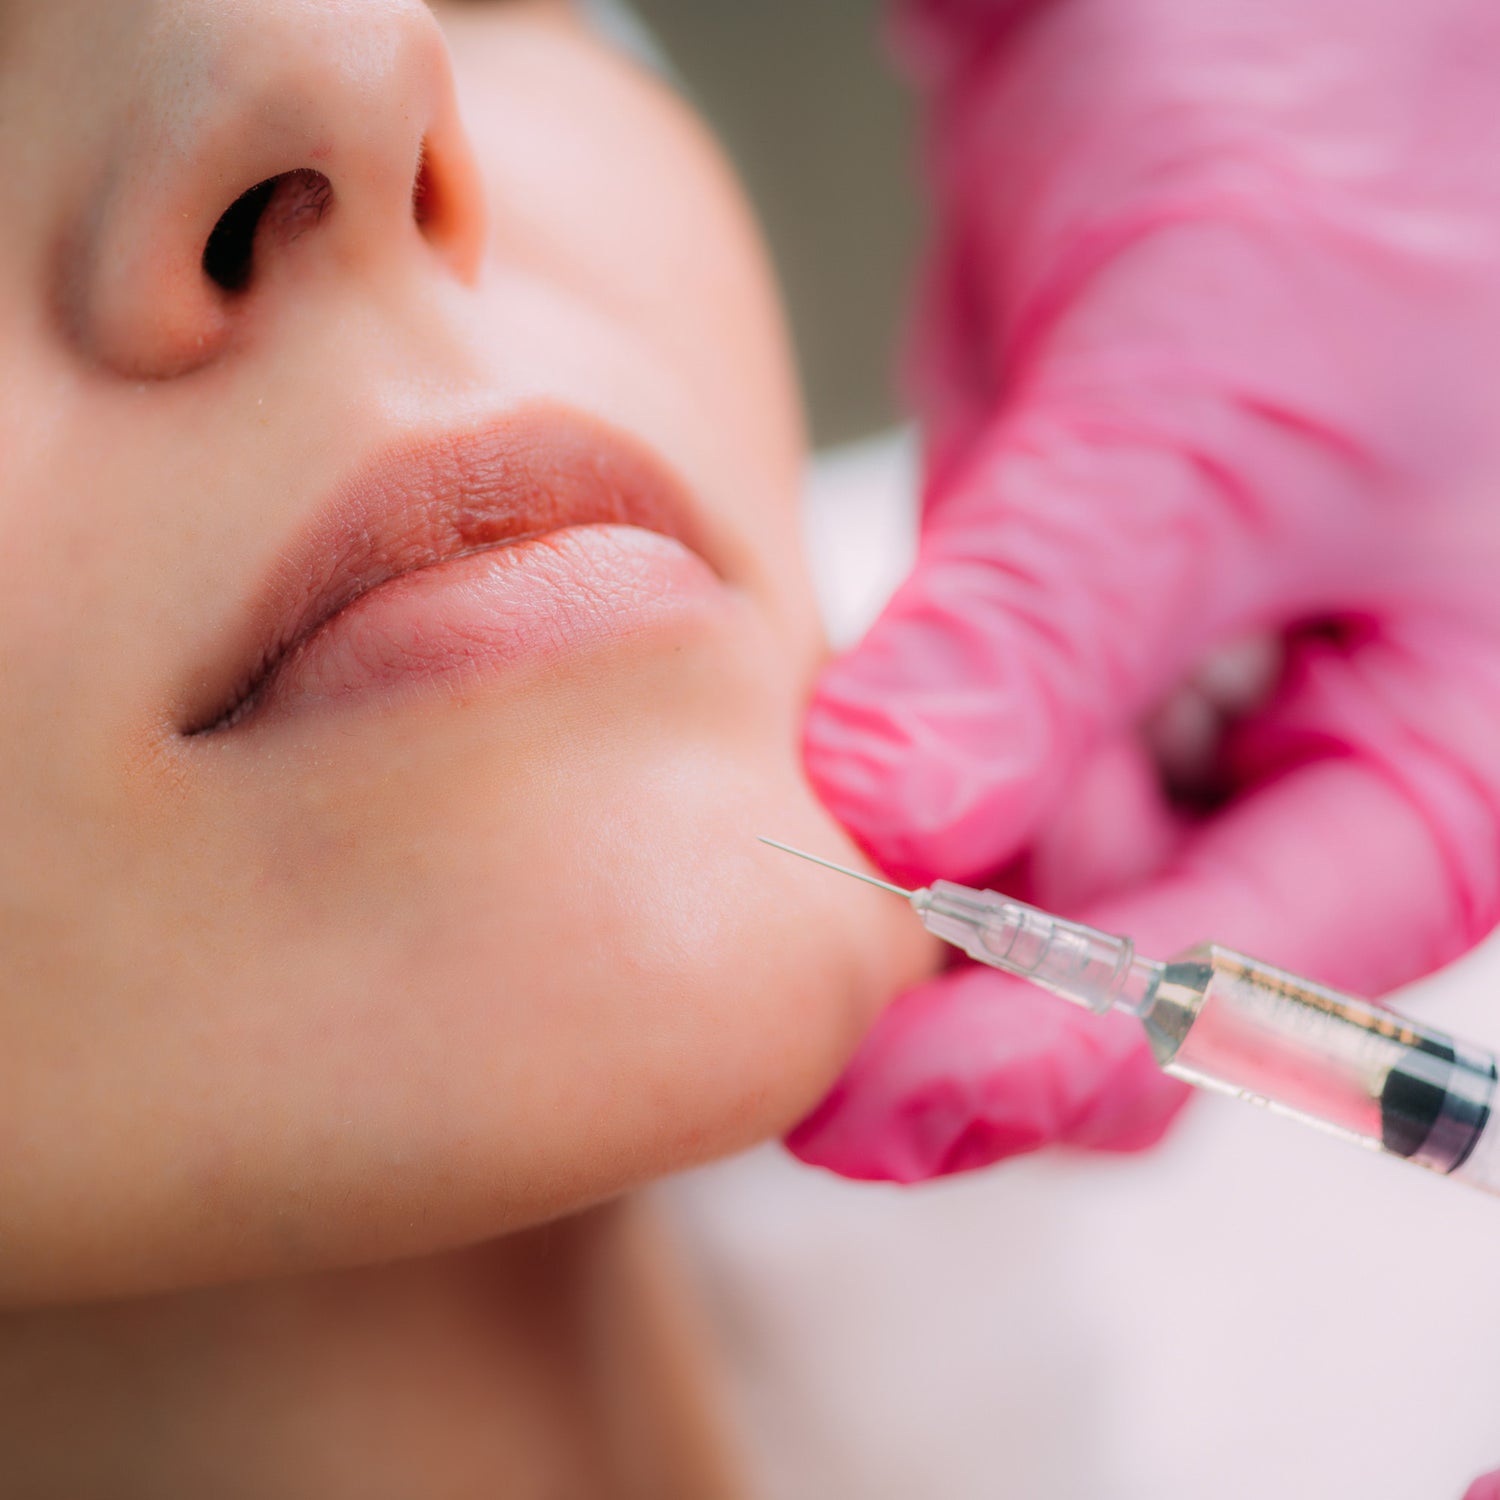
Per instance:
{"type": "Point", "coordinates": [272, 133]}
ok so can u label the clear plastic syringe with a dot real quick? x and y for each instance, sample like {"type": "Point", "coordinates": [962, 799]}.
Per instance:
{"type": "Point", "coordinates": [1226, 1022]}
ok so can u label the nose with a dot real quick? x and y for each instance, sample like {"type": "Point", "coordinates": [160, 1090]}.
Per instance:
{"type": "Point", "coordinates": [276, 139]}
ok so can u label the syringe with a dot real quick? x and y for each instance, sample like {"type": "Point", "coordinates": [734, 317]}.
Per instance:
{"type": "Point", "coordinates": [1226, 1022]}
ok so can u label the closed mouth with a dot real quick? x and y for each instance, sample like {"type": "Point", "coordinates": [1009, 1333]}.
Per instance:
{"type": "Point", "coordinates": [436, 500]}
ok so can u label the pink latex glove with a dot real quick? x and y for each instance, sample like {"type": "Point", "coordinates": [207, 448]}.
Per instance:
{"type": "Point", "coordinates": [1210, 348]}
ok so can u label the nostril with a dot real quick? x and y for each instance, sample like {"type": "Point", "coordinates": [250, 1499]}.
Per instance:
{"type": "Point", "coordinates": [423, 191]}
{"type": "Point", "coordinates": [230, 251]}
{"type": "Point", "coordinates": [289, 205]}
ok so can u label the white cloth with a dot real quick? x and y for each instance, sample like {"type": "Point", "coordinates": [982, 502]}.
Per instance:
{"type": "Point", "coordinates": [1252, 1310]}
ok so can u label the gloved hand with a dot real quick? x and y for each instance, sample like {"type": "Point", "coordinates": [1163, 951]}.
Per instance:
{"type": "Point", "coordinates": [1210, 351]}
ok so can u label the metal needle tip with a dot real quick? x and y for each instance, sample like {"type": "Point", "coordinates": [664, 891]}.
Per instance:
{"type": "Point", "coordinates": [828, 864]}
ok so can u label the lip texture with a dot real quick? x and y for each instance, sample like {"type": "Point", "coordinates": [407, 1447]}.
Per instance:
{"type": "Point", "coordinates": [471, 508]}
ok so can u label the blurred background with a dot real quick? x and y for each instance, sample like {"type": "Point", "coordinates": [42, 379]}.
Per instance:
{"type": "Point", "coordinates": [821, 128]}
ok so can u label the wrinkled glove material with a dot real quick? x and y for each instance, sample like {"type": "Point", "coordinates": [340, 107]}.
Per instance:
{"type": "Point", "coordinates": [1208, 349]}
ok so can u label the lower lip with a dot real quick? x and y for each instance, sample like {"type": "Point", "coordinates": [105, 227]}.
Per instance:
{"type": "Point", "coordinates": [517, 604]}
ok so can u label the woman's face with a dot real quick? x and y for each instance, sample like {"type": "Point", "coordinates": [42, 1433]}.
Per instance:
{"type": "Point", "coordinates": [371, 880]}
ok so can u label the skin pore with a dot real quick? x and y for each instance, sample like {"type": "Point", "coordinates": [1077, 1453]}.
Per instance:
{"type": "Point", "coordinates": [325, 1029]}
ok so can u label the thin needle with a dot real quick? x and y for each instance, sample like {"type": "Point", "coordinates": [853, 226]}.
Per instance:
{"type": "Point", "coordinates": [828, 864]}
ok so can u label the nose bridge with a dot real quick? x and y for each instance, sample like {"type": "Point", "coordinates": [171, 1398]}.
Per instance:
{"type": "Point", "coordinates": [236, 94]}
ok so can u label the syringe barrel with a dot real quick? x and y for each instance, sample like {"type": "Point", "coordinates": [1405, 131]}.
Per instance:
{"type": "Point", "coordinates": [1231, 1023]}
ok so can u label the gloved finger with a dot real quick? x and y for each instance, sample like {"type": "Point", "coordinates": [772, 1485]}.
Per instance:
{"type": "Point", "coordinates": [1485, 1488]}
{"type": "Point", "coordinates": [1413, 704]}
{"type": "Point", "coordinates": [971, 1068]}
{"type": "Point", "coordinates": [1070, 581]}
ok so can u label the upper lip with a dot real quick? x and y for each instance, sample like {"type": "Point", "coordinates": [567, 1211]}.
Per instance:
{"type": "Point", "coordinates": [432, 499]}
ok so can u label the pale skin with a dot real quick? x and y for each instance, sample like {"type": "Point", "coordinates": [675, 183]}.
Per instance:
{"type": "Point", "coordinates": [309, 1024]}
